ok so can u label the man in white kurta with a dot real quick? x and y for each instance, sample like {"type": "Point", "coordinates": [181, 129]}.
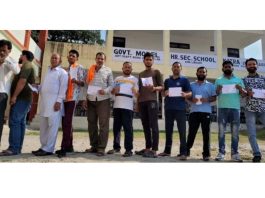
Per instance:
{"type": "Point", "coordinates": [52, 92]}
{"type": "Point", "coordinates": [8, 67]}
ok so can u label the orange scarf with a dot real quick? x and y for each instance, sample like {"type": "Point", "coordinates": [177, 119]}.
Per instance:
{"type": "Point", "coordinates": [70, 89]}
{"type": "Point", "coordinates": [90, 74]}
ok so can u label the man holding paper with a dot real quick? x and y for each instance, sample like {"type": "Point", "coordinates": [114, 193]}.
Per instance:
{"type": "Point", "coordinates": [228, 89]}
{"type": "Point", "coordinates": [100, 78]}
{"type": "Point", "coordinates": [52, 92]}
{"type": "Point", "coordinates": [176, 90]}
{"type": "Point", "coordinates": [76, 78]}
{"type": "Point", "coordinates": [203, 93]}
{"type": "Point", "coordinates": [255, 104]}
{"type": "Point", "coordinates": [125, 90]}
{"type": "Point", "coordinates": [150, 82]}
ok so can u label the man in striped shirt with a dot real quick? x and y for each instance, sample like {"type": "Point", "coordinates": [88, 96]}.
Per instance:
{"type": "Point", "coordinates": [100, 82]}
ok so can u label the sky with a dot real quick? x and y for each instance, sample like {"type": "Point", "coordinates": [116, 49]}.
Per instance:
{"type": "Point", "coordinates": [254, 50]}
{"type": "Point", "coordinates": [103, 34]}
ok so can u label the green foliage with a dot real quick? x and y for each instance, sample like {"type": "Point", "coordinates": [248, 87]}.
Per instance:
{"type": "Point", "coordinates": [71, 36]}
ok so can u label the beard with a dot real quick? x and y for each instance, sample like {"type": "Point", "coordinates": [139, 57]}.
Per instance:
{"type": "Point", "coordinates": [228, 72]}
{"type": "Point", "coordinates": [20, 61]}
{"type": "Point", "coordinates": [127, 73]}
{"type": "Point", "coordinates": [201, 78]}
{"type": "Point", "coordinates": [252, 70]}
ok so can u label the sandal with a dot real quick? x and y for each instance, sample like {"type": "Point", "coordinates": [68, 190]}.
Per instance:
{"type": "Point", "coordinates": [91, 150]}
{"type": "Point", "coordinates": [163, 154]}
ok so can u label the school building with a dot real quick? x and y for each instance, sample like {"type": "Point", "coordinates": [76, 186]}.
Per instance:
{"type": "Point", "coordinates": [193, 48]}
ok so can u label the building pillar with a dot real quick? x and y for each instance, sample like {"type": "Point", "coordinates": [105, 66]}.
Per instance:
{"type": "Point", "coordinates": [166, 51]}
{"type": "Point", "coordinates": [218, 48]}
{"type": "Point", "coordinates": [263, 46]}
{"type": "Point", "coordinates": [27, 39]}
{"type": "Point", "coordinates": [109, 44]}
{"type": "Point", "coordinates": [166, 47]}
{"type": "Point", "coordinates": [43, 36]}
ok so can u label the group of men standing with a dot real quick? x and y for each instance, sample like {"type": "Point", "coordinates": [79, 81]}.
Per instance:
{"type": "Point", "coordinates": [61, 89]}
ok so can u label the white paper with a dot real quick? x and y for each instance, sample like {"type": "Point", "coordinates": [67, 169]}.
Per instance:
{"type": "Point", "coordinates": [229, 89]}
{"type": "Point", "coordinates": [147, 81]}
{"type": "Point", "coordinates": [174, 91]}
{"type": "Point", "coordinates": [126, 88]}
{"type": "Point", "coordinates": [73, 73]}
{"type": "Point", "coordinates": [199, 102]}
{"type": "Point", "coordinates": [258, 93]}
{"type": "Point", "coordinates": [34, 89]}
{"type": "Point", "coordinates": [93, 90]}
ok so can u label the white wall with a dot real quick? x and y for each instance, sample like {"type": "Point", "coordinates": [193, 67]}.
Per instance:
{"type": "Point", "coordinates": [151, 40]}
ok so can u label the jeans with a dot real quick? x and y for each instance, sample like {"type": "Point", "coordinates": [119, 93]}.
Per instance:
{"type": "Point", "coordinates": [195, 120]}
{"type": "Point", "coordinates": [251, 126]}
{"type": "Point", "coordinates": [17, 125]}
{"type": "Point", "coordinates": [148, 113]}
{"type": "Point", "coordinates": [180, 117]}
{"type": "Point", "coordinates": [123, 118]}
{"type": "Point", "coordinates": [3, 102]}
{"type": "Point", "coordinates": [232, 116]}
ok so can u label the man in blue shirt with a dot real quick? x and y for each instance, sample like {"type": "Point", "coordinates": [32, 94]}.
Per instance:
{"type": "Point", "coordinates": [228, 89]}
{"type": "Point", "coordinates": [203, 93]}
{"type": "Point", "coordinates": [176, 90]}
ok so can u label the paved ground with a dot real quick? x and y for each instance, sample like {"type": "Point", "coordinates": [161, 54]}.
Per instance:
{"type": "Point", "coordinates": [81, 142]}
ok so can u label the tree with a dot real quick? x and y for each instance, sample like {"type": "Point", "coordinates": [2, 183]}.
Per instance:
{"type": "Point", "coordinates": [71, 36]}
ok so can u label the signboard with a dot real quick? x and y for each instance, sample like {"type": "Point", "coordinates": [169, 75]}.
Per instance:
{"type": "Point", "coordinates": [135, 55]}
{"type": "Point", "coordinates": [187, 60]}
{"type": "Point", "coordinates": [239, 63]}
{"type": "Point", "coordinates": [194, 60]}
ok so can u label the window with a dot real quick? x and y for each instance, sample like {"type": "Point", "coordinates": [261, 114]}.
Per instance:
{"type": "Point", "coordinates": [211, 48]}
{"type": "Point", "coordinates": [179, 45]}
{"type": "Point", "coordinates": [118, 42]}
{"type": "Point", "coordinates": [233, 52]}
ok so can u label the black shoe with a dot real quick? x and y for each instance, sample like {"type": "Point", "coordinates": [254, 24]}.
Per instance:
{"type": "Point", "coordinates": [61, 153]}
{"type": "Point", "coordinates": [256, 159]}
{"type": "Point", "coordinates": [34, 152]}
{"type": "Point", "coordinates": [64, 150]}
{"type": "Point", "coordinates": [141, 152]}
{"type": "Point", "coordinates": [69, 150]}
{"type": "Point", "coordinates": [127, 154]}
{"type": "Point", "coordinates": [43, 153]}
{"type": "Point", "coordinates": [206, 158]}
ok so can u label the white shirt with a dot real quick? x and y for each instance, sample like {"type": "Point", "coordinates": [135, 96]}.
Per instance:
{"type": "Point", "coordinates": [121, 100]}
{"type": "Point", "coordinates": [7, 69]}
{"type": "Point", "coordinates": [52, 90]}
